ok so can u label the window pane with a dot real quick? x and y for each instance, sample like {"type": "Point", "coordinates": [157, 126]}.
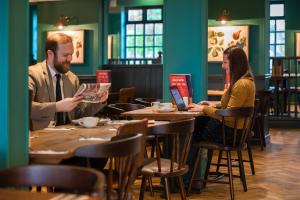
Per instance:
{"type": "Point", "coordinates": [280, 50]}
{"type": "Point", "coordinates": [135, 15]}
{"type": "Point", "coordinates": [154, 14]}
{"type": "Point", "coordinates": [130, 52]}
{"type": "Point", "coordinates": [130, 29]}
{"type": "Point", "coordinates": [149, 29]}
{"type": "Point", "coordinates": [280, 25]}
{"type": "Point", "coordinates": [276, 10]}
{"type": "Point", "coordinates": [139, 29]}
{"type": "Point", "coordinates": [130, 41]}
{"type": "Point", "coordinates": [272, 38]}
{"type": "Point", "coordinates": [157, 49]}
{"type": "Point", "coordinates": [272, 50]}
{"type": "Point", "coordinates": [280, 38]}
{"type": "Point", "coordinates": [139, 41]}
{"type": "Point", "coordinates": [149, 40]}
{"type": "Point", "coordinates": [139, 52]}
{"type": "Point", "coordinates": [149, 52]}
{"type": "Point", "coordinates": [158, 40]}
{"type": "Point", "coordinates": [272, 25]}
{"type": "Point", "coordinates": [158, 28]}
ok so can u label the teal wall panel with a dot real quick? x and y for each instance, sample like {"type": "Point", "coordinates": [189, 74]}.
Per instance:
{"type": "Point", "coordinates": [185, 35]}
{"type": "Point", "coordinates": [14, 53]}
{"type": "Point", "coordinates": [141, 2]}
{"type": "Point", "coordinates": [88, 16]}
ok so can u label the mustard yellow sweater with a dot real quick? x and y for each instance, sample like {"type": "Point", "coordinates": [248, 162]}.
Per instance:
{"type": "Point", "coordinates": [242, 95]}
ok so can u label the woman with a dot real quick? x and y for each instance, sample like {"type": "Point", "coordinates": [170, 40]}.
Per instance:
{"type": "Point", "coordinates": [241, 93]}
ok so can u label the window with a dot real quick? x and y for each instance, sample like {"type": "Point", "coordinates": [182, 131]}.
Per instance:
{"type": "Point", "coordinates": [277, 30]}
{"type": "Point", "coordinates": [143, 32]}
{"type": "Point", "coordinates": [33, 34]}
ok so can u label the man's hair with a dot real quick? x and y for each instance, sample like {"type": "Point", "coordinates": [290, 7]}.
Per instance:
{"type": "Point", "coordinates": [54, 39]}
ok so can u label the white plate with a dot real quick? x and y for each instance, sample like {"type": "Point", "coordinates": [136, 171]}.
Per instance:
{"type": "Point", "coordinates": [165, 109]}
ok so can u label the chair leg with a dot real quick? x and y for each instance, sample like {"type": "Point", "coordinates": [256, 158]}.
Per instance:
{"type": "Point", "coordinates": [143, 187]}
{"type": "Point", "coordinates": [261, 135]}
{"type": "Point", "coordinates": [181, 186]}
{"type": "Point", "coordinates": [229, 166]}
{"type": "Point", "coordinates": [219, 161]}
{"type": "Point", "coordinates": [250, 158]}
{"type": "Point", "coordinates": [209, 158]}
{"type": "Point", "coordinates": [196, 164]}
{"type": "Point", "coordinates": [167, 191]}
{"type": "Point", "coordinates": [242, 170]}
{"type": "Point", "coordinates": [150, 185]}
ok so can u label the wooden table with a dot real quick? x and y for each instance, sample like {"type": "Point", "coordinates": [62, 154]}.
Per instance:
{"type": "Point", "coordinates": [8, 194]}
{"type": "Point", "coordinates": [150, 114]}
{"type": "Point", "coordinates": [51, 146]}
{"type": "Point", "coordinates": [215, 92]}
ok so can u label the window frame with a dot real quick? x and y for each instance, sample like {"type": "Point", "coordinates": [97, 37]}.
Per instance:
{"type": "Point", "coordinates": [144, 21]}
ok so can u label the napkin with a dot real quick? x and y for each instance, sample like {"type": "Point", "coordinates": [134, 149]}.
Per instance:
{"type": "Point", "coordinates": [48, 152]}
{"type": "Point", "coordinates": [59, 129]}
{"type": "Point", "coordinates": [94, 139]}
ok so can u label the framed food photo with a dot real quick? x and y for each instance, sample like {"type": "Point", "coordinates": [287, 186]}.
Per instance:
{"type": "Point", "coordinates": [78, 43]}
{"type": "Point", "coordinates": [297, 36]}
{"type": "Point", "coordinates": [222, 37]}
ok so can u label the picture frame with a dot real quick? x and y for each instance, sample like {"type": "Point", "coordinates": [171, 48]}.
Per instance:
{"type": "Point", "coordinates": [222, 37]}
{"type": "Point", "coordinates": [297, 43]}
{"type": "Point", "coordinates": [78, 43]}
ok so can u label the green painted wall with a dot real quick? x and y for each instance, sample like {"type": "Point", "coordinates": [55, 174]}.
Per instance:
{"type": "Point", "coordinates": [292, 23]}
{"type": "Point", "coordinates": [14, 15]}
{"type": "Point", "coordinates": [141, 2]}
{"type": "Point", "coordinates": [89, 15]}
{"type": "Point", "coordinates": [244, 13]}
{"type": "Point", "coordinates": [185, 35]}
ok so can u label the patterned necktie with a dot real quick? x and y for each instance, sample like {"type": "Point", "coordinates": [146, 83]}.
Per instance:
{"type": "Point", "coordinates": [59, 115]}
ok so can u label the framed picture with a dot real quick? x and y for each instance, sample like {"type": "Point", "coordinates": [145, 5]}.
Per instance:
{"type": "Point", "coordinates": [297, 37]}
{"type": "Point", "coordinates": [78, 43]}
{"type": "Point", "coordinates": [222, 37]}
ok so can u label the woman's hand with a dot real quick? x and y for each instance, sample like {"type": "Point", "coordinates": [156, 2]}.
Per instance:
{"type": "Point", "coordinates": [195, 107]}
{"type": "Point", "coordinates": [207, 103]}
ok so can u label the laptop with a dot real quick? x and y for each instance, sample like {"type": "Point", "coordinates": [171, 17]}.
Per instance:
{"type": "Point", "coordinates": [178, 98]}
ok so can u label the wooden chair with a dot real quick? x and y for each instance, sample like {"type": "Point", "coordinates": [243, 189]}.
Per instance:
{"type": "Point", "coordinates": [114, 110]}
{"type": "Point", "coordinates": [29, 108]}
{"type": "Point", "coordinates": [76, 180]}
{"type": "Point", "coordinates": [122, 152]}
{"type": "Point", "coordinates": [126, 95]}
{"type": "Point", "coordinates": [238, 143]}
{"type": "Point", "coordinates": [146, 101]}
{"type": "Point", "coordinates": [180, 133]}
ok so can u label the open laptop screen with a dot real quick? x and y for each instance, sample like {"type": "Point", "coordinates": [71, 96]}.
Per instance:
{"type": "Point", "coordinates": [178, 98]}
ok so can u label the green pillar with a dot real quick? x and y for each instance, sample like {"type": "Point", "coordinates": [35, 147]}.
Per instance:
{"type": "Point", "coordinates": [14, 57]}
{"type": "Point", "coordinates": [185, 43]}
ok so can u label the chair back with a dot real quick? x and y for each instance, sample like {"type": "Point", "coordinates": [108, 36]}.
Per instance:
{"type": "Point", "coordinates": [141, 127]}
{"type": "Point", "coordinates": [146, 101]}
{"type": "Point", "coordinates": [126, 95]}
{"type": "Point", "coordinates": [78, 180]}
{"type": "Point", "coordinates": [239, 114]}
{"type": "Point", "coordinates": [121, 147]}
{"type": "Point", "coordinates": [180, 133]}
{"type": "Point", "coordinates": [114, 110]}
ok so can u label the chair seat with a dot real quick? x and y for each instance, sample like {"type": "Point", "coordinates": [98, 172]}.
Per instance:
{"type": "Point", "coordinates": [216, 146]}
{"type": "Point", "coordinates": [151, 169]}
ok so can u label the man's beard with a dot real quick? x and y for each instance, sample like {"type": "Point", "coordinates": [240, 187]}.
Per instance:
{"type": "Point", "coordinates": [61, 67]}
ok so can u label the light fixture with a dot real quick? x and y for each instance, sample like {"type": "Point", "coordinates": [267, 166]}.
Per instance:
{"type": "Point", "coordinates": [64, 21]}
{"type": "Point", "coordinates": [224, 17]}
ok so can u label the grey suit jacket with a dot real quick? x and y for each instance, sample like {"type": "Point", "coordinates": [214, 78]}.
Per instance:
{"type": "Point", "coordinates": [43, 104]}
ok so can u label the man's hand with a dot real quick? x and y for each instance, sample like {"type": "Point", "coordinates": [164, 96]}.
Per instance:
{"type": "Point", "coordinates": [68, 104]}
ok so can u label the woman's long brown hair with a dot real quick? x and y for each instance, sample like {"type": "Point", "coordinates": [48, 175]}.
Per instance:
{"type": "Point", "coordinates": [238, 64]}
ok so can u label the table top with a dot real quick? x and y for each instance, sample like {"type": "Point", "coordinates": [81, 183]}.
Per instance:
{"type": "Point", "coordinates": [52, 145]}
{"type": "Point", "coordinates": [150, 114]}
{"type": "Point", "coordinates": [215, 92]}
{"type": "Point", "coordinates": [8, 194]}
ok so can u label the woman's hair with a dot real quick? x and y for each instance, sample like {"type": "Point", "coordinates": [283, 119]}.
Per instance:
{"type": "Point", "coordinates": [238, 64]}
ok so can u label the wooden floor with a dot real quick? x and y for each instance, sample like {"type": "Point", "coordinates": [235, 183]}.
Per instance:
{"type": "Point", "coordinates": [277, 173]}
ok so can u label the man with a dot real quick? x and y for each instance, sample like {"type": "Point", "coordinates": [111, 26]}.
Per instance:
{"type": "Point", "coordinates": [53, 86]}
